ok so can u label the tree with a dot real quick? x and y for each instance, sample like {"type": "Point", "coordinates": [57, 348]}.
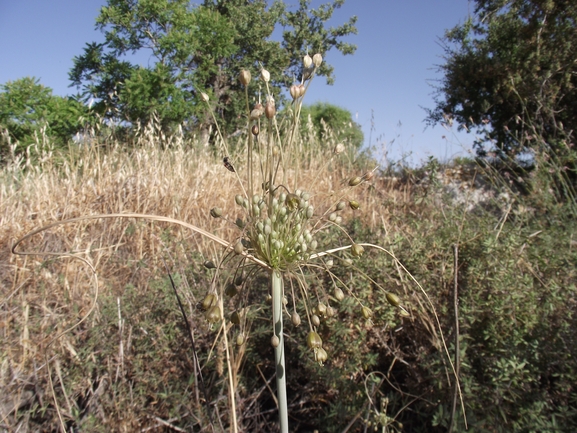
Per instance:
{"type": "Point", "coordinates": [198, 49]}
{"type": "Point", "coordinates": [338, 119]}
{"type": "Point", "coordinates": [27, 107]}
{"type": "Point", "coordinates": [510, 73]}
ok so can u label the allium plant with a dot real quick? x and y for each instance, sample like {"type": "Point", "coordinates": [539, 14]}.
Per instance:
{"type": "Point", "coordinates": [280, 226]}
{"type": "Point", "coordinates": [278, 233]}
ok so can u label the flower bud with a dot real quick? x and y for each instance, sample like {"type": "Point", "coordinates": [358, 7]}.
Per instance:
{"type": "Point", "coordinates": [238, 248]}
{"type": "Point", "coordinates": [256, 112]}
{"type": "Point", "coordinates": [307, 61]}
{"type": "Point", "coordinates": [270, 110]}
{"type": "Point", "coordinates": [292, 201]}
{"type": "Point", "coordinates": [314, 340]}
{"type": "Point", "coordinates": [216, 212]}
{"type": "Point", "coordinates": [209, 264]}
{"type": "Point", "coordinates": [265, 75]}
{"type": "Point", "coordinates": [357, 250]}
{"type": "Point", "coordinates": [317, 59]}
{"type": "Point", "coordinates": [294, 91]}
{"type": "Point", "coordinates": [296, 319]}
{"type": "Point", "coordinates": [355, 181]}
{"type": "Point", "coordinates": [275, 341]}
{"type": "Point", "coordinates": [331, 311]}
{"type": "Point", "coordinates": [339, 294]}
{"type": "Point", "coordinates": [240, 339]}
{"type": "Point", "coordinates": [393, 299]}
{"type": "Point", "coordinates": [316, 321]}
{"type": "Point", "coordinates": [244, 77]}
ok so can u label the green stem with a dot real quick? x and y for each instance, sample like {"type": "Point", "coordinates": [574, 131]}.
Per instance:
{"type": "Point", "coordinates": [277, 297]}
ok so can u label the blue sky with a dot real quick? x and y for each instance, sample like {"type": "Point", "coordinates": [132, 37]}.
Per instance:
{"type": "Point", "coordinates": [384, 84]}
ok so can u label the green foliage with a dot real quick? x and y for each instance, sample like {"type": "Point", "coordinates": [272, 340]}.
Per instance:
{"type": "Point", "coordinates": [29, 110]}
{"type": "Point", "coordinates": [517, 324]}
{"type": "Point", "coordinates": [200, 49]}
{"type": "Point", "coordinates": [510, 72]}
{"type": "Point", "coordinates": [337, 119]}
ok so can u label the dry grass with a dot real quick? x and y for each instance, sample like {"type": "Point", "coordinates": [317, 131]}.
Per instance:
{"type": "Point", "coordinates": [44, 295]}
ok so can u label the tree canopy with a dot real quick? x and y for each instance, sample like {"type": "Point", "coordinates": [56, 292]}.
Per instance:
{"type": "Point", "coordinates": [199, 49]}
{"type": "Point", "coordinates": [27, 107]}
{"type": "Point", "coordinates": [338, 119]}
{"type": "Point", "coordinates": [510, 73]}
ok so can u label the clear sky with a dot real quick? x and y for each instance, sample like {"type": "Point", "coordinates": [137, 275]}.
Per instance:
{"type": "Point", "coordinates": [384, 84]}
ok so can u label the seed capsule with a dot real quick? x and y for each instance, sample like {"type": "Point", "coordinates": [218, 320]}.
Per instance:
{"type": "Point", "coordinates": [307, 61]}
{"type": "Point", "coordinates": [314, 340]}
{"type": "Point", "coordinates": [213, 315]}
{"type": "Point", "coordinates": [209, 301]}
{"type": "Point", "coordinates": [244, 77]}
{"type": "Point", "coordinates": [340, 206]}
{"type": "Point", "coordinates": [321, 355]}
{"type": "Point", "coordinates": [255, 130]}
{"type": "Point", "coordinates": [204, 96]}
{"type": "Point", "coordinates": [230, 290]}
{"type": "Point", "coordinates": [321, 309]}
{"type": "Point", "coordinates": [235, 318]}
{"type": "Point", "coordinates": [354, 205]}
